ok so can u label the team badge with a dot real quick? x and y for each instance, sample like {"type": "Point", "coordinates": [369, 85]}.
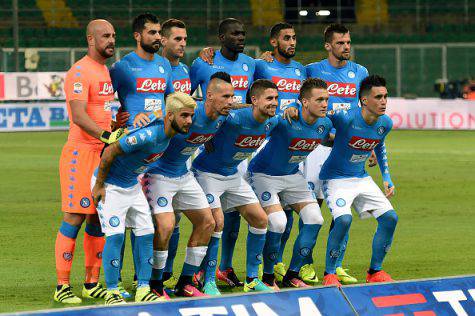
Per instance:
{"type": "Point", "coordinates": [297, 72]}
{"type": "Point", "coordinates": [162, 201]}
{"type": "Point", "coordinates": [67, 256]}
{"type": "Point", "coordinates": [381, 130]}
{"type": "Point", "coordinates": [340, 202]}
{"type": "Point", "coordinates": [99, 255]}
{"type": "Point", "coordinates": [259, 257]}
{"type": "Point", "coordinates": [115, 263]}
{"type": "Point", "coordinates": [77, 87]}
{"type": "Point", "coordinates": [265, 196]}
{"type": "Point", "coordinates": [185, 70]}
{"type": "Point", "coordinates": [114, 221]}
{"type": "Point", "coordinates": [321, 129]}
{"type": "Point", "coordinates": [218, 124]}
{"type": "Point", "coordinates": [267, 127]}
{"type": "Point", "coordinates": [304, 252]}
{"type": "Point", "coordinates": [245, 67]}
{"type": "Point", "coordinates": [85, 202]}
{"type": "Point", "coordinates": [131, 140]}
{"type": "Point", "coordinates": [351, 74]}
{"type": "Point", "coordinates": [272, 256]}
{"type": "Point", "coordinates": [212, 263]}
{"type": "Point", "coordinates": [311, 186]}
{"type": "Point", "coordinates": [160, 68]}
{"type": "Point", "coordinates": [210, 198]}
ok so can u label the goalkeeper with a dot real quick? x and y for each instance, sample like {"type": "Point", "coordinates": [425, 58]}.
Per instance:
{"type": "Point", "coordinates": [89, 92]}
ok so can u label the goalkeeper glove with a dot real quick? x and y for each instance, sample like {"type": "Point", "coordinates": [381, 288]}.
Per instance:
{"type": "Point", "coordinates": [111, 137]}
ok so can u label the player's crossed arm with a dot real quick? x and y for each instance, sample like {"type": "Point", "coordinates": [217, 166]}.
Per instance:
{"type": "Point", "coordinates": [108, 157]}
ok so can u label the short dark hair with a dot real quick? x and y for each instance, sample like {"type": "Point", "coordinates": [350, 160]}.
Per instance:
{"type": "Point", "coordinates": [258, 87]}
{"type": "Point", "coordinates": [309, 84]}
{"type": "Point", "coordinates": [370, 82]}
{"type": "Point", "coordinates": [222, 76]}
{"type": "Point", "coordinates": [332, 29]}
{"type": "Point", "coordinates": [168, 24]}
{"type": "Point", "coordinates": [224, 25]}
{"type": "Point", "coordinates": [276, 28]}
{"type": "Point", "coordinates": [138, 24]}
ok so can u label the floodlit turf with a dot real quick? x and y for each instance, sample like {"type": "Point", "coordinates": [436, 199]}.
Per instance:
{"type": "Point", "coordinates": [433, 171]}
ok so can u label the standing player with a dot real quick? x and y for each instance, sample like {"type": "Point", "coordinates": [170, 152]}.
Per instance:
{"type": "Point", "coordinates": [170, 187]}
{"type": "Point", "coordinates": [121, 202]}
{"type": "Point", "coordinates": [346, 183]}
{"type": "Point", "coordinates": [241, 67]}
{"type": "Point", "coordinates": [88, 95]}
{"type": "Point", "coordinates": [174, 43]}
{"type": "Point", "coordinates": [216, 171]}
{"type": "Point", "coordinates": [275, 176]}
{"type": "Point", "coordinates": [288, 75]}
{"type": "Point", "coordinates": [142, 78]}
{"type": "Point", "coordinates": [343, 78]}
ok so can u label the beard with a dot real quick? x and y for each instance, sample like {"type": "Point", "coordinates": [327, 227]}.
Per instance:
{"type": "Point", "coordinates": [284, 53]}
{"type": "Point", "coordinates": [341, 57]}
{"type": "Point", "coordinates": [177, 128]}
{"type": "Point", "coordinates": [150, 48]}
{"type": "Point", "coordinates": [104, 53]}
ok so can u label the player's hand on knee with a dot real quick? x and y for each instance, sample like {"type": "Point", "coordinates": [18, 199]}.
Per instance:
{"type": "Point", "coordinates": [207, 54]}
{"type": "Point", "coordinates": [267, 56]}
{"type": "Point", "coordinates": [389, 189]}
{"type": "Point", "coordinates": [372, 160]}
{"type": "Point", "coordinates": [141, 120]}
{"type": "Point", "coordinates": [98, 194]}
{"type": "Point", "coordinates": [290, 114]}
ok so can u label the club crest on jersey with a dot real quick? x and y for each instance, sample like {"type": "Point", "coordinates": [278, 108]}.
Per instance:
{"type": "Point", "coordinates": [297, 72]}
{"type": "Point", "coordinates": [351, 74]}
{"type": "Point", "coordinates": [210, 198]}
{"type": "Point", "coordinates": [197, 138]}
{"type": "Point", "coordinates": [320, 129]}
{"type": "Point", "coordinates": [162, 201]}
{"type": "Point", "coordinates": [341, 89]}
{"type": "Point", "coordinates": [85, 202]}
{"type": "Point", "coordinates": [77, 87]}
{"type": "Point", "coordinates": [265, 196]}
{"type": "Point", "coordinates": [303, 144]}
{"type": "Point", "coordinates": [218, 124]}
{"type": "Point", "coordinates": [340, 202]}
{"type": "Point", "coordinates": [105, 88]}
{"type": "Point", "coordinates": [115, 263]}
{"type": "Point", "coordinates": [160, 68]}
{"type": "Point", "coordinates": [287, 84]}
{"type": "Point", "coordinates": [240, 82]}
{"type": "Point", "coordinates": [381, 130]}
{"type": "Point", "coordinates": [361, 143]}
{"type": "Point", "coordinates": [114, 221]}
{"type": "Point", "coordinates": [245, 67]}
{"type": "Point", "coordinates": [183, 85]}
{"type": "Point", "coordinates": [150, 85]}
{"type": "Point", "coordinates": [153, 157]}
{"type": "Point", "coordinates": [250, 141]}
{"type": "Point", "coordinates": [131, 140]}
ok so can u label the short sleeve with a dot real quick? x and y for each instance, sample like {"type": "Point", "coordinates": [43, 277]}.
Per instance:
{"type": "Point", "coordinates": [195, 71]}
{"type": "Point", "coordinates": [138, 139]}
{"type": "Point", "coordinates": [76, 85]}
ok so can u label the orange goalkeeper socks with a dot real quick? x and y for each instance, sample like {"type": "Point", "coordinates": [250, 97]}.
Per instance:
{"type": "Point", "coordinates": [93, 245]}
{"type": "Point", "coordinates": [64, 251]}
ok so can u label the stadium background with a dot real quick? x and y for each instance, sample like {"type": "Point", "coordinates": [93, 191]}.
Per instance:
{"type": "Point", "coordinates": [414, 44]}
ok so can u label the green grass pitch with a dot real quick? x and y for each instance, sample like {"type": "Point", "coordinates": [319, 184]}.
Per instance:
{"type": "Point", "coordinates": [433, 171]}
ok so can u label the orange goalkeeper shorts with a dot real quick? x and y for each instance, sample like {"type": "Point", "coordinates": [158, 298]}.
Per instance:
{"type": "Point", "coordinates": [76, 166]}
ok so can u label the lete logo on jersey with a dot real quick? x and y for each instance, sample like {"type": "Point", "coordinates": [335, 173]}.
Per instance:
{"type": "Point", "coordinates": [240, 82]}
{"type": "Point", "coordinates": [287, 84]}
{"type": "Point", "coordinates": [304, 144]}
{"type": "Point", "coordinates": [151, 85]}
{"type": "Point", "coordinates": [105, 88]}
{"type": "Point", "coordinates": [250, 141]}
{"type": "Point", "coordinates": [365, 144]}
{"type": "Point", "coordinates": [183, 85]}
{"type": "Point", "coordinates": [197, 138]}
{"type": "Point", "coordinates": [341, 89]}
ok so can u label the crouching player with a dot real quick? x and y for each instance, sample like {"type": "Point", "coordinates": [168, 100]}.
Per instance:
{"type": "Point", "coordinates": [346, 183]}
{"type": "Point", "coordinates": [274, 175]}
{"type": "Point", "coordinates": [119, 198]}
{"type": "Point", "coordinates": [216, 171]}
{"type": "Point", "coordinates": [169, 187]}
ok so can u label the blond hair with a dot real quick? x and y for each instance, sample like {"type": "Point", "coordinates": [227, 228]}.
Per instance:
{"type": "Point", "coordinates": [179, 100]}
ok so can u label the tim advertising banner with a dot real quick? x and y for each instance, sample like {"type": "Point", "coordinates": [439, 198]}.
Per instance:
{"type": "Point", "coordinates": [32, 86]}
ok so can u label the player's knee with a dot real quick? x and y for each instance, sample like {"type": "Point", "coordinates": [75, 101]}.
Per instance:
{"type": "Point", "coordinates": [343, 221]}
{"type": "Point", "coordinates": [389, 219]}
{"type": "Point", "coordinates": [208, 224]}
{"type": "Point", "coordinates": [311, 214]}
{"type": "Point", "coordinates": [74, 219]}
{"type": "Point", "coordinates": [277, 222]}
